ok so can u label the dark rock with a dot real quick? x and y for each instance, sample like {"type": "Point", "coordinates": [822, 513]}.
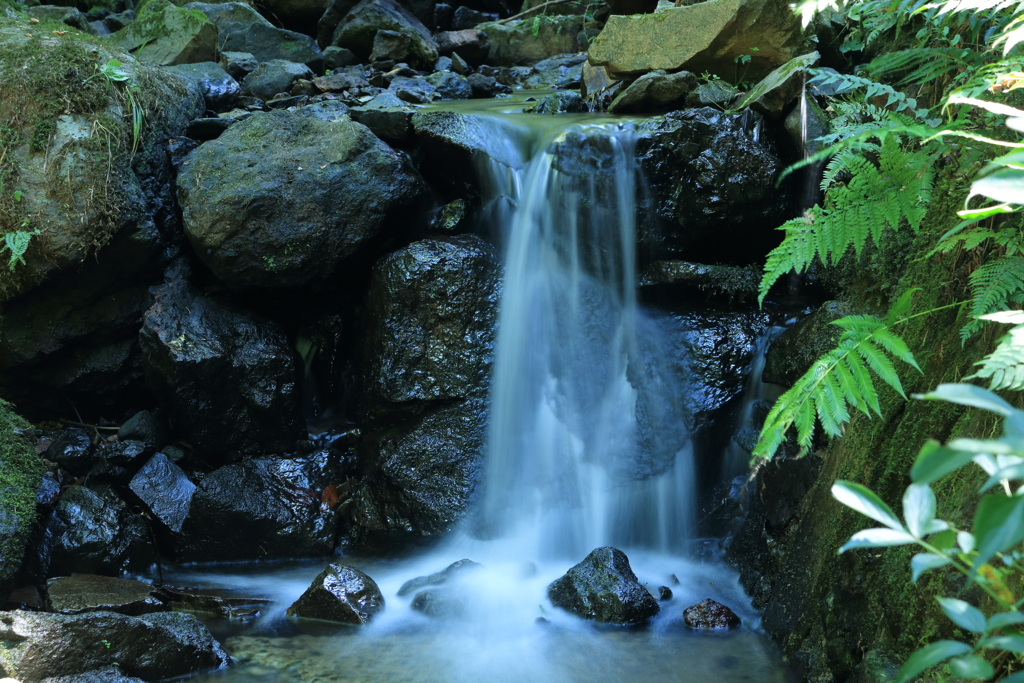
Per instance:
{"type": "Point", "coordinates": [336, 9]}
{"type": "Point", "coordinates": [340, 593]}
{"type": "Point", "coordinates": [392, 124]}
{"type": "Point", "coordinates": [604, 588]}
{"type": "Point", "coordinates": [734, 283]}
{"type": "Point", "coordinates": [238, 65]}
{"type": "Point", "coordinates": [274, 508]}
{"type": "Point", "coordinates": [93, 533]}
{"type": "Point", "coordinates": [48, 491]}
{"type": "Point", "coordinates": [152, 646]}
{"type": "Point", "coordinates": [66, 15]}
{"type": "Point", "coordinates": [443, 64]}
{"type": "Point", "coordinates": [228, 379]}
{"type": "Point", "coordinates": [439, 604]}
{"type": "Point", "coordinates": [357, 29]}
{"type": "Point", "coordinates": [804, 125]}
{"type": "Point", "coordinates": [413, 90]}
{"type": "Point", "coordinates": [116, 22]}
{"type": "Point", "coordinates": [125, 453]}
{"type": "Point", "coordinates": [285, 101]}
{"type": "Point", "coordinates": [111, 675]}
{"type": "Point", "coordinates": [342, 79]}
{"type": "Point", "coordinates": [444, 14]}
{"type": "Point", "coordinates": [390, 45]}
{"type": "Point", "coordinates": [338, 57]}
{"type": "Point", "coordinates": [485, 86]}
{"type": "Point", "coordinates": [710, 180]}
{"type": "Point", "coordinates": [81, 593]}
{"type": "Point", "coordinates": [329, 193]}
{"type": "Point", "coordinates": [632, 6]}
{"type": "Point", "coordinates": [449, 218]}
{"type": "Point", "coordinates": [655, 92]}
{"type": "Point", "coordinates": [708, 614]}
{"type": "Point", "coordinates": [449, 573]}
{"type": "Point", "coordinates": [465, 17]}
{"type": "Point", "coordinates": [143, 426]}
{"type": "Point", "coordinates": [664, 593]}
{"type": "Point", "coordinates": [715, 92]}
{"type": "Point", "coordinates": [794, 352]}
{"type": "Point", "coordinates": [219, 605]}
{"type": "Point", "coordinates": [468, 41]}
{"type": "Point", "coordinates": [228, 14]}
{"type": "Point", "coordinates": [165, 490]}
{"type": "Point", "coordinates": [567, 102]}
{"type": "Point", "coordinates": [21, 476]}
{"type": "Point", "coordinates": [459, 65]}
{"type": "Point", "coordinates": [72, 449]}
{"type": "Point", "coordinates": [220, 90]}
{"type": "Point", "coordinates": [451, 143]}
{"type": "Point", "coordinates": [269, 43]}
{"type": "Point", "coordinates": [275, 76]}
{"type": "Point", "coordinates": [165, 34]}
{"type": "Point", "coordinates": [210, 128]}
{"type": "Point", "coordinates": [560, 71]}
{"type": "Point", "coordinates": [326, 110]}
{"type": "Point", "coordinates": [450, 86]}
{"type": "Point", "coordinates": [776, 91]}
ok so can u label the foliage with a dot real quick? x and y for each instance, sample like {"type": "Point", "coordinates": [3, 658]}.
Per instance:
{"type": "Point", "coordinates": [988, 555]}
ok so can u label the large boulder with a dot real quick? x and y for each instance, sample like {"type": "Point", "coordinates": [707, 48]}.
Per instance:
{"type": "Point", "coordinates": [269, 42]}
{"type": "Point", "coordinates": [604, 588]}
{"type": "Point", "coordinates": [227, 378]}
{"type": "Point", "coordinates": [273, 77]}
{"type": "Point", "coordinates": [38, 646]}
{"type": "Point", "coordinates": [712, 181]}
{"type": "Point", "coordinates": [702, 37]}
{"type": "Point", "coordinates": [225, 13]}
{"type": "Point", "coordinates": [528, 41]}
{"type": "Point", "coordinates": [93, 532]}
{"type": "Point", "coordinates": [81, 593]}
{"type": "Point", "coordinates": [340, 593]}
{"type": "Point", "coordinates": [166, 34]}
{"type": "Point", "coordinates": [21, 473]}
{"type": "Point", "coordinates": [301, 215]}
{"type": "Point", "coordinates": [358, 28]}
{"type": "Point", "coordinates": [264, 508]}
{"type": "Point", "coordinates": [655, 92]}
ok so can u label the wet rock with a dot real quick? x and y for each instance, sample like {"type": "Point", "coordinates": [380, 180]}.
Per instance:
{"type": "Point", "coordinates": [776, 91]}
{"type": "Point", "coordinates": [298, 12]}
{"type": "Point", "coordinates": [710, 180]}
{"type": "Point", "coordinates": [604, 588]}
{"type": "Point", "coordinates": [467, 18]}
{"type": "Point", "coordinates": [449, 218]}
{"type": "Point", "coordinates": [432, 308]}
{"type": "Point", "coordinates": [210, 603]}
{"type": "Point", "coordinates": [419, 477]}
{"type": "Point", "coordinates": [708, 614]}
{"type": "Point", "coordinates": [92, 532]}
{"type": "Point", "coordinates": [340, 593]}
{"type": "Point", "coordinates": [804, 125]}
{"type": "Point", "coordinates": [143, 426]}
{"type": "Point", "coordinates": [794, 352]}
{"type": "Point", "coordinates": [21, 474]}
{"type": "Point", "coordinates": [275, 76]}
{"type": "Point", "coordinates": [126, 453]}
{"type": "Point", "coordinates": [714, 92]}
{"type": "Point", "coordinates": [449, 573]}
{"type": "Point", "coordinates": [338, 57]}
{"type": "Point", "coordinates": [451, 144]}
{"type": "Point", "coordinates": [268, 43]}
{"type": "Point", "coordinates": [81, 593]}
{"type": "Point", "coordinates": [469, 41]}
{"type": "Point", "coordinates": [655, 92]}
{"type": "Point", "coordinates": [450, 86]}
{"type": "Point", "coordinates": [299, 217]}
{"type": "Point", "coordinates": [226, 14]}
{"type": "Point", "coordinates": [528, 41]}
{"type": "Point", "coordinates": [734, 283]}
{"type": "Point", "coordinates": [703, 37]}
{"type": "Point", "coordinates": [560, 71]}
{"type": "Point", "coordinates": [111, 675]}
{"type": "Point", "coordinates": [153, 646]}
{"type": "Point", "coordinates": [220, 90]}
{"type": "Point", "coordinates": [664, 593]}
{"type": "Point", "coordinates": [357, 29]}
{"type": "Point", "coordinates": [485, 86]}
{"type": "Point", "coordinates": [72, 449]}
{"type": "Point", "coordinates": [165, 490]}
{"type": "Point", "coordinates": [238, 64]}
{"type": "Point", "coordinates": [390, 45]}
{"type": "Point", "coordinates": [342, 79]}
{"type": "Point", "coordinates": [392, 124]}
{"type": "Point", "coordinates": [165, 34]}
{"type": "Point", "coordinates": [413, 90]}
{"type": "Point", "coordinates": [227, 378]}
{"type": "Point", "coordinates": [48, 491]}
{"type": "Point", "coordinates": [66, 15]}
{"type": "Point", "coordinates": [274, 508]}
{"type": "Point", "coordinates": [568, 102]}
{"type": "Point", "coordinates": [336, 9]}
{"type": "Point", "coordinates": [439, 604]}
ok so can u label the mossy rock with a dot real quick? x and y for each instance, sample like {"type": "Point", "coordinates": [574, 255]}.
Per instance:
{"type": "Point", "coordinates": [21, 473]}
{"type": "Point", "coordinates": [166, 34]}
{"type": "Point", "coordinates": [530, 40]}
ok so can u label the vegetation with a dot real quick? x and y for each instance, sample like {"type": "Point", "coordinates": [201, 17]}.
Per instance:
{"type": "Point", "coordinates": [20, 473]}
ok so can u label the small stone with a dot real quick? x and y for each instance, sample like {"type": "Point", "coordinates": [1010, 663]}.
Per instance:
{"type": "Point", "coordinates": [142, 426]}
{"type": "Point", "coordinates": [338, 57]}
{"type": "Point", "coordinates": [664, 593]}
{"type": "Point", "coordinates": [340, 593]}
{"type": "Point", "coordinates": [708, 614]}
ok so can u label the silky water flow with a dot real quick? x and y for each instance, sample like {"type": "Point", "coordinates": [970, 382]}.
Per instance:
{"type": "Point", "coordinates": [588, 446]}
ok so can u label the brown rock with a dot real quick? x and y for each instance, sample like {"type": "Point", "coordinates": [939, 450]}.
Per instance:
{"type": "Point", "coordinates": [708, 614]}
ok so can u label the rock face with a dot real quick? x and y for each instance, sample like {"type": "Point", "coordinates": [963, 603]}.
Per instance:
{"type": "Point", "coordinates": [154, 646]}
{"type": "Point", "coordinates": [527, 41]}
{"type": "Point", "coordinates": [225, 13]}
{"type": "Point", "coordinates": [357, 30]}
{"type": "Point", "coordinates": [300, 215]}
{"type": "Point", "coordinates": [793, 353]}
{"type": "Point", "coordinates": [708, 614]}
{"type": "Point", "coordinates": [264, 508]}
{"type": "Point", "coordinates": [709, 181]}
{"type": "Point", "coordinates": [166, 34]}
{"type": "Point", "coordinates": [227, 377]}
{"type": "Point", "coordinates": [706, 36]}
{"type": "Point", "coordinates": [269, 42]}
{"type": "Point", "coordinates": [340, 593]}
{"type": "Point", "coordinates": [81, 593]}
{"type": "Point", "coordinates": [604, 588]}
{"type": "Point", "coordinates": [21, 473]}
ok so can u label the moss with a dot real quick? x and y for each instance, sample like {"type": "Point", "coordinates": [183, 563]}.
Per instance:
{"type": "Point", "coordinates": [21, 472]}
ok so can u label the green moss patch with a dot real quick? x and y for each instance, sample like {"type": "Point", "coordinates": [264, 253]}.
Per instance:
{"type": "Point", "coordinates": [21, 472]}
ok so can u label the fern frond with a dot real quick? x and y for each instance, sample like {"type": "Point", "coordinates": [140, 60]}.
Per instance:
{"type": "Point", "coordinates": [1004, 367]}
{"type": "Point", "coordinates": [837, 380]}
{"type": "Point", "coordinates": [994, 286]}
{"type": "Point", "coordinates": [924, 64]}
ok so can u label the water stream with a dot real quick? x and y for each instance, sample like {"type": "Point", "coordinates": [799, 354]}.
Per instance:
{"type": "Point", "coordinates": [588, 446]}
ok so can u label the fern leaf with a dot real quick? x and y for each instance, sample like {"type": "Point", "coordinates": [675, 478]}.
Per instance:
{"type": "Point", "coordinates": [1004, 367]}
{"type": "Point", "coordinates": [838, 379]}
{"type": "Point", "coordinates": [994, 286]}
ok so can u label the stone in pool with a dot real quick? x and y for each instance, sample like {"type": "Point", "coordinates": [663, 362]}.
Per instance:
{"type": "Point", "coordinates": [708, 614]}
{"type": "Point", "coordinates": [340, 593]}
{"type": "Point", "coordinates": [604, 588]}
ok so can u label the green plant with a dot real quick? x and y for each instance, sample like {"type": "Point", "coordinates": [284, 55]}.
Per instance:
{"type": "Point", "coordinates": [988, 555]}
{"type": "Point", "coordinates": [114, 72]}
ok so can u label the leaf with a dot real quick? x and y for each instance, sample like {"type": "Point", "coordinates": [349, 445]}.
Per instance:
{"type": "Point", "coordinates": [1005, 185]}
{"type": "Point", "coordinates": [929, 656]}
{"type": "Point", "coordinates": [877, 538]}
{"type": "Point", "coordinates": [969, 395]}
{"type": "Point", "coordinates": [923, 562]}
{"type": "Point", "coordinates": [971, 666]}
{"type": "Point", "coordinates": [1014, 643]}
{"type": "Point", "coordinates": [963, 614]}
{"type": "Point", "coordinates": [998, 525]}
{"type": "Point", "coordinates": [1003, 619]}
{"type": "Point", "coordinates": [1004, 474]}
{"type": "Point", "coordinates": [864, 501]}
{"type": "Point", "coordinates": [902, 305]}
{"type": "Point", "coordinates": [918, 508]}
{"type": "Point", "coordinates": [965, 539]}
{"type": "Point", "coordinates": [936, 461]}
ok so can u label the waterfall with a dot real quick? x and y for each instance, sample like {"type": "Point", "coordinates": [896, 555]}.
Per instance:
{"type": "Point", "coordinates": [588, 441]}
